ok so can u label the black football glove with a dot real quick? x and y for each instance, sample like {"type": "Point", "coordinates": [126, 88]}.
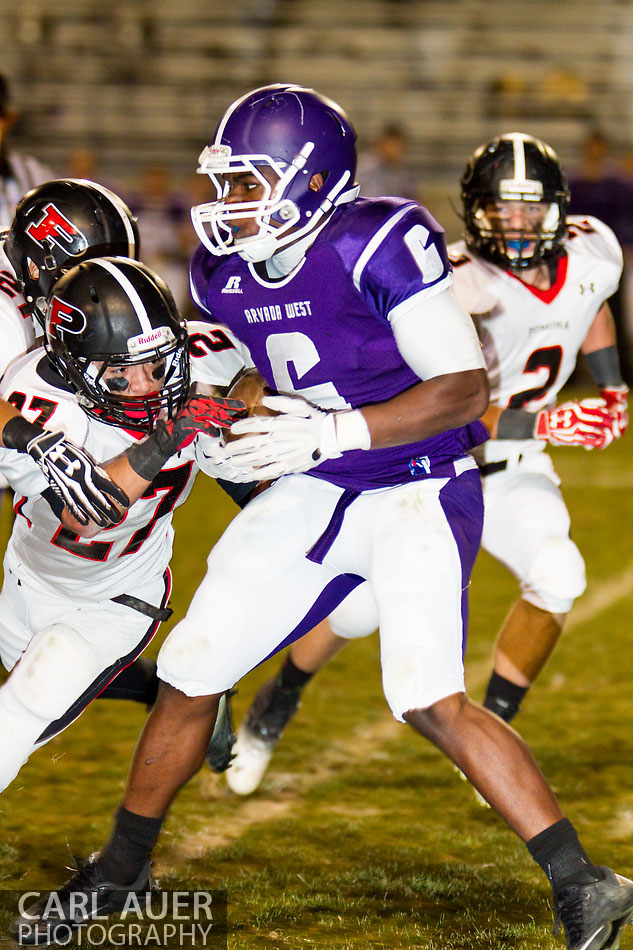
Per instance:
{"type": "Point", "coordinates": [83, 486]}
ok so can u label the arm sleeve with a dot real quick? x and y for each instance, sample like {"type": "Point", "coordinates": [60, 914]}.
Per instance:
{"type": "Point", "coordinates": [21, 472]}
{"type": "Point", "coordinates": [435, 336]}
{"type": "Point", "coordinates": [604, 366]}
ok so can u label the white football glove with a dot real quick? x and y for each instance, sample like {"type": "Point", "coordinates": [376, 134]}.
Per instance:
{"type": "Point", "coordinates": [616, 398]}
{"type": "Point", "coordinates": [299, 438]}
{"type": "Point", "coordinates": [587, 423]}
{"type": "Point", "coordinates": [211, 457]}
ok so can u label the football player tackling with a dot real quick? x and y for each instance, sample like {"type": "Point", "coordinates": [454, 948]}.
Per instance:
{"type": "Point", "coordinates": [79, 603]}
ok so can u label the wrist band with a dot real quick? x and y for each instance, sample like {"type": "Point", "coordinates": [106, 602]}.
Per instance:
{"type": "Point", "coordinates": [351, 431]}
{"type": "Point", "coordinates": [604, 366]}
{"type": "Point", "coordinates": [18, 432]}
{"type": "Point", "coordinates": [148, 457]}
{"type": "Point", "coordinates": [516, 424]}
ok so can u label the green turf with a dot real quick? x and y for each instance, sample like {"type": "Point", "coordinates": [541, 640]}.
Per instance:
{"type": "Point", "coordinates": [362, 836]}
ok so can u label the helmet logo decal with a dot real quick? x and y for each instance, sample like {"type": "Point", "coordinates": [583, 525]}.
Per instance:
{"type": "Point", "coordinates": [54, 226]}
{"type": "Point", "coordinates": [63, 315]}
{"type": "Point", "coordinates": [149, 341]}
{"type": "Point", "coordinates": [213, 155]}
{"type": "Point", "coordinates": [520, 189]}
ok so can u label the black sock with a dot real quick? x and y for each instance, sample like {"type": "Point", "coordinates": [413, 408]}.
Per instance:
{"type": "Point", "coordinates": [129, 847]}
{"type": "Point", "coordinates": [504, 697]}
{"type": "Point", "coordinates": [562, 857]}
{"type": "Point", "coordinates": [291, 677]}
{"type": "Point", "coordinates": [138, 682]}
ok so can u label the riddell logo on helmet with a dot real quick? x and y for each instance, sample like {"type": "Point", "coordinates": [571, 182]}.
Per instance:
{"type": "Point", "coordinates": [149, 341]}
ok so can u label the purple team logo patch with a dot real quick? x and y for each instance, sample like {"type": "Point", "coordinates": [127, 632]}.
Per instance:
{"type": "Point", "coordinates": [420, 465]}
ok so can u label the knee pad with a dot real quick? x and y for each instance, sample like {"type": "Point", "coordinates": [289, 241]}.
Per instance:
{"type": "Point", "coordinates": [556, 576]}
{"type": "Point", "coordinates": [19, 730]}
{"type": "Point", "coordinates": [409, 682]}
{"type": "Point", "coordinates": [54, 670]}
{"type": "Point", "coordinates": [357, 615]}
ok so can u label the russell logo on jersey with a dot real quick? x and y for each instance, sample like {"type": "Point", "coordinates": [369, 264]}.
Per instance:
{"type": "Point", "coordinates": [232, 286]}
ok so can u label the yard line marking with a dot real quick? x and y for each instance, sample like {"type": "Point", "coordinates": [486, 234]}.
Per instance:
{"type": "Point", "coordinates": [363, 744]}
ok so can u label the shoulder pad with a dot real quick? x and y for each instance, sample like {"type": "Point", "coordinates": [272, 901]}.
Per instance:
{"type": "Point", "coordinates": [471, 279]}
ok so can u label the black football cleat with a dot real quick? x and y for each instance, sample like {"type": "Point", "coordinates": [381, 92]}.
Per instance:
{"type": "Point", "coordinates": [594, 915]}
{"type": "Point", "coordinates": [57, 914]}
{"type": "Point", "coordinates": [220, 749]}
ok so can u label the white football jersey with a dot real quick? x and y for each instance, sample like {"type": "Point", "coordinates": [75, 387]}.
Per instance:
{"type": "Point", "coordinates": [121, 558]}
{"type": "Point", "coordinates": [530, 337]}
{"type": "Point", "coordinates": [17, 328]}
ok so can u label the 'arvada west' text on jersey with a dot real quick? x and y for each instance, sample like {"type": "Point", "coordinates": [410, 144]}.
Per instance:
{"type": "Point", "coordinates": [116, 560]}
{"type": "Point", "coordinates": [323, 331]}
{"type": "Point", "coordinates": [531, 337]}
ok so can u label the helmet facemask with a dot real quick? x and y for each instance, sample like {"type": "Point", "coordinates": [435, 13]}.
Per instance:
{"type": "Point", "coordinates": [274, 214]}
{"type": "Point", "coordinates": [498, 237]}
{"type": "Point", "coordinates": [515, 197]}
{"type": "Point", "coordinates": [283, 136]}
{"type": "Point", "coordinates": [101, 398]}
{"type": "Point", "coordinates": [110, 314]}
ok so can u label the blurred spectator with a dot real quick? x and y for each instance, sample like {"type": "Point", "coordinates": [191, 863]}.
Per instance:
{"type": "Point", "coordinates": [381, 168]}
{"type": "Point", "coordinates": [164, 226]}
{"type": "Point", "coordinates": [82, 163]}
{"type": "Point", "coordinates": [600, 188]}
{"type": "Point", "coordinates": [18, 173]}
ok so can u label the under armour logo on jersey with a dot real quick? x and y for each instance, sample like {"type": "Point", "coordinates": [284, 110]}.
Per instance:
{"type": "Point", "coordinates": [64, 316]}
{"type": "Point", "coordinates": [587, 290]}
{"type": "Point", "coordinates": [232, 286]}
{"type": "Point", "coordinates": [55, 227]}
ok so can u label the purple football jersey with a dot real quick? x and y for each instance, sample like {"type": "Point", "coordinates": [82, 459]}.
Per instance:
{"type": "Point", "coordinates": [323, 331]}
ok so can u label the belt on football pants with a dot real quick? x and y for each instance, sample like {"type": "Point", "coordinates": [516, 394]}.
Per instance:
{"type": "Point", "coordinates": [154, 613]}
{"type": "Point", "coordinates": [489, 468]}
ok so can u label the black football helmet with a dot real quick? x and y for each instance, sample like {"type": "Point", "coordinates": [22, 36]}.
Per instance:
{"type": "Point", "coordinates": [515, 168]}
{"type": "Point", "coordinates": [61, 223]}
{"type": "Point", "coordinates": [115, 312]}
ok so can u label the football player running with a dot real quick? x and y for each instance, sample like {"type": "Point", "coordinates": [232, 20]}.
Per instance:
{"type": "Point", "coordinates": [536, 282]}
{"type": "Point", "coordinates": [345, 305]}
{"type": "Point", "coordinates": [79, 603]}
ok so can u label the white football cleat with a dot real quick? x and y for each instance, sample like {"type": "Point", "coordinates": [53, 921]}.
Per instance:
{"type": "Point", "coordinates": [251, 756]}
{"type": "Point", "coordinates": [272, 709]}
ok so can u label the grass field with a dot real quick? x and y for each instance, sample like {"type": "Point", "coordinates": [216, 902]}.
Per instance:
{"type": "Point", "coordinates": [362, 836]}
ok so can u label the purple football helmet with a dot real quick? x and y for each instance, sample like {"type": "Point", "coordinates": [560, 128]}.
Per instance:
{"type": "Point", "coordinates": [295, 132]}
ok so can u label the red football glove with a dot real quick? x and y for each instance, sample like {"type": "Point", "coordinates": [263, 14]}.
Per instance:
{"type": "Point", "coordinates": [616, 400]}
{"type": "Point", "coordinates": [202, 413]}
{"type": "Point", "coordinates": [586, 423]}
